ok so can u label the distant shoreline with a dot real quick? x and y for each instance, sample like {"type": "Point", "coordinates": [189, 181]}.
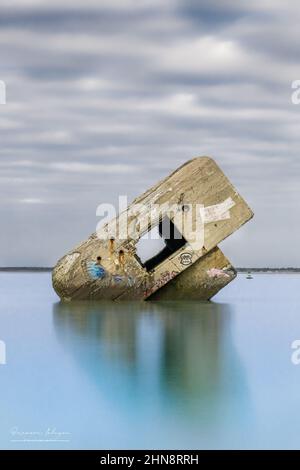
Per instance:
{"type": "Point", "coordinates": [268, 270]}
{"type": "Point", "coordinates": [239, 270]}
{"type": "Point", "coordinates": [24, 268]}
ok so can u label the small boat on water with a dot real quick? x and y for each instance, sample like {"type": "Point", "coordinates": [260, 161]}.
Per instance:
{"type": "Point", "coordinates": [249, 275]}
{"type": "Point", "coordinates": [200, 208]}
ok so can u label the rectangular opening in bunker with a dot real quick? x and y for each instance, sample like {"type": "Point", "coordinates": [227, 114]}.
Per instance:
{"type": "Point", "coordinates": [160, 242]}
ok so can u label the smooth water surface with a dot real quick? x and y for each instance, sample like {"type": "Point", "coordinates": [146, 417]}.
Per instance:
{"type": "Point", "coordinates": [151, 374]}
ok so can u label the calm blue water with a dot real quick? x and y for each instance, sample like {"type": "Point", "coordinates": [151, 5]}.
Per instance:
{"type": "Point", "coordinates": [150, 375]}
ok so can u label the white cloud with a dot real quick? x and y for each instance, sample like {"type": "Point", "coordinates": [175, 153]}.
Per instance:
{"type": "Point", "coordinates": [104, 169]}
{"type": "Point", "coordinates": [31, 200]}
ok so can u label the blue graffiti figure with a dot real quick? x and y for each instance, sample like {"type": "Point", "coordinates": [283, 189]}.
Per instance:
{"type": "Point", "coordinates": [96, 271]}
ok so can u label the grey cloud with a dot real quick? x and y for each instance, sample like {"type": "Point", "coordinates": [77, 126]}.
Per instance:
{"type": "Point", "coordinates": [105, 101]}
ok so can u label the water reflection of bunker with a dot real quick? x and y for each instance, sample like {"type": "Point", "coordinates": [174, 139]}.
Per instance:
{"type": "Point", "coordinates": [166, 353]}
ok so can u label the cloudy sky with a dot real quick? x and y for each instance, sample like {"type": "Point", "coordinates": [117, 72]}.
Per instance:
{"type": "Point", "coordinates": [105, 97]}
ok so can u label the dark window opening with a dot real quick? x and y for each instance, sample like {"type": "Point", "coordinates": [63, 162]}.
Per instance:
{"type": "Point", "coordinates": [159, 243]}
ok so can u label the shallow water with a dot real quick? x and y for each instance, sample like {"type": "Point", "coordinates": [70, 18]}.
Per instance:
{"type": "Point", "coordinates": [150, 375]}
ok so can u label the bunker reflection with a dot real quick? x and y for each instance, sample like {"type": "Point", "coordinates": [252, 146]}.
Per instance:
{"type": "Point", "coordinates": [176, 355]}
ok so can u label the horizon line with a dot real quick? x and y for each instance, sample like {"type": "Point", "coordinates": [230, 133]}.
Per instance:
{"type": "Point", "coordinates": [49, 268]}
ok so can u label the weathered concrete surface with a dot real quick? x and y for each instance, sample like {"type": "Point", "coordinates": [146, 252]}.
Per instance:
{"type": "Point", "coordinates": [120, 274]}
{"type": "Point", "coordinates": [201, 281]}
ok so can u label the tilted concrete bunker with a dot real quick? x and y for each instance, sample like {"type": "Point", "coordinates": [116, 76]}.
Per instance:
{"type": "Point", "coordinates": [201, 207]}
